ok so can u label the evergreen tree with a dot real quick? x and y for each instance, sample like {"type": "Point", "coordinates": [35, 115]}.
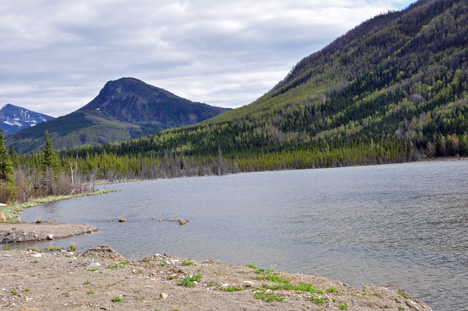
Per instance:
{"type": "Point", "coordinates": [7, 181]}
{"type": "Point", "coordinates": [49, 158]}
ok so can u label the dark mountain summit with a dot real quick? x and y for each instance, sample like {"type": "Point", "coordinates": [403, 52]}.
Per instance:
{"type": "Point", "coordinates": [133, 101]}
{"type": "Point", "coordinates": [14, 118]}
{"type": "Point", "coordinates": [124, 109]}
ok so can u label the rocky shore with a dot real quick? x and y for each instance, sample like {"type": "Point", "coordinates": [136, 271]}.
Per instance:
{"type": "Point", "coordinates": [101, 279]}
{"type": "Point", "coordinates": [40, 231]}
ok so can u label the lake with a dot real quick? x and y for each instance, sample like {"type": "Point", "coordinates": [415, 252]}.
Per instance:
{"type": "Point", "coordinates": [401, 225]}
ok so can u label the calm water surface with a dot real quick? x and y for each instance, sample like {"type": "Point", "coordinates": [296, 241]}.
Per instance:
{"type": "Point", "coordinates": [402, 225]}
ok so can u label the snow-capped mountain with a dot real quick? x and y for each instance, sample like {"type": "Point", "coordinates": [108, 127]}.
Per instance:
{"type": "Point", "coordinates": [14, 118]}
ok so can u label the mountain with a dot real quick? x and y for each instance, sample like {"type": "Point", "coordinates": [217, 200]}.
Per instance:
{"type": "Point", "coordinates": [392, 89]}
{"type": "Point", "coordinates": [124, 109]}
{"type": "Point", "coordinates": [14, 118]}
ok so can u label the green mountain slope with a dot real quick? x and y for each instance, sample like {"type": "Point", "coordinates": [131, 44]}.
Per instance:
{"type": "Point", "coordinates": [392, 89]}
{"type": "Point", "coordinates": [124, 109]}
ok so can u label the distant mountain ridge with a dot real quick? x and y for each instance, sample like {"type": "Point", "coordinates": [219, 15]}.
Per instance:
{"type": "Point", "coordinates": [14, 118]}
{"type": "Point", "coordinates": [125, 109]}
{"type": "Point", "coordinates": [392, 89]}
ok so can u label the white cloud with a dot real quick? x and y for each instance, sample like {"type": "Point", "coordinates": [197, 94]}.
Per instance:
{"type": "Point", "coordinates": [57, 55]}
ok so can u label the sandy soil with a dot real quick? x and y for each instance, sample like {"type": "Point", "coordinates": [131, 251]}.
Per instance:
{"type": "Point", "coordinates": [101, 279]}
{"type": "Point", "coordinates": [46, 230]}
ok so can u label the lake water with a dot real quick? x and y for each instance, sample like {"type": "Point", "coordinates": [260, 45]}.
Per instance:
{"type": "Point", "coordinates": [403, 225]}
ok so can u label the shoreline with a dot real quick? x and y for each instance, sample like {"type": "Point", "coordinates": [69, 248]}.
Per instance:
{"type": "Point", "coordinates": [24, 232]}
{"type": "Point", "coordinates": [101, 279]}
{"type": "Point", "coordinates": [10, 211]}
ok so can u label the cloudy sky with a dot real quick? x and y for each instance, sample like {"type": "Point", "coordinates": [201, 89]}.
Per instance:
{"type": "Point", "coordinates": [55, 55]}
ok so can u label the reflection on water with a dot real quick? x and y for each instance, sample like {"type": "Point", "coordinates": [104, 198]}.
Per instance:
{"type": "Point", "coordinates": [400, 225]}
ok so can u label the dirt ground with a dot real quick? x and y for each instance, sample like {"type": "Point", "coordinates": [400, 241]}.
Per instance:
{"type": "Point", "coordinates": [38, 231]}
{"type": "Point", "coordinates": [101, 279]}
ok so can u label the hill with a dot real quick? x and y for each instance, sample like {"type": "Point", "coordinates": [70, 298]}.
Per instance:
{"type": "Point", "coordinates": [393, 89]}
{"type": "Point", "coordinates": [124, 109]}
{"type": "Point", "coordinates": [14, 118]}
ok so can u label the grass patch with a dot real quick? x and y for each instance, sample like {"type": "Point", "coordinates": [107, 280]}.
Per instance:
{"type": "Point", "coordinates": [35, 261]}
{"type": "Point", "coordinates": [251, 266]}
{"type": "Point", "coordinates": [116, 299]}
{"type": "Point", "coordinates": [231, 289]}
{"type": "Point", "coordinates": [402, 294]}
{"type": "Point", "coordinates": [268, 296]}
{"type": "Point", "coordinates": [190, 280]}
{"type": "Point", "coordinates": [91, 292]}
{"type": "Point", "coordinates": [92, 270]}
{"type": "Point", "coordinates": [122, 264]}
{"type": "Point", "coordinates": [273, 278]}
{"type": "Point", "coordinates": [304, 287]}
{"type": "Point", "coordinates": [318, 301]}
{"type": "Point", "coordinates": [187, 263]}
{"type": "Point", "coordinates": [343, 306]}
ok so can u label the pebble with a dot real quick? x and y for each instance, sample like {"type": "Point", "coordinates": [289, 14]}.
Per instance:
{"type": "Point", "coordinates": [94, 264]}
{"type": "Point", "coordinates": [36, 255]}
{"type": "Point", "coordinates": [164, 295]}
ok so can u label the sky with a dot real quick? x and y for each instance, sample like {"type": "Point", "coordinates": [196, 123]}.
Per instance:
{"type": "Point", "coordinates": [56, 56]}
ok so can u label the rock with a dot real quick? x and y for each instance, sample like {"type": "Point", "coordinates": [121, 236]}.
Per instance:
{"type": "Point", "coordinates": [164, 295]}
{"type": "Point", "coordinates": [2, 217]}
{"type": "Point", "coordinates": [122, 220]}
{"type": "Point", "coordinates": [182, 222]}
{"type": "Point", "coordinates": [50, 237]}
{"type": "Point", "coordinates": [94, 264]}
{"type": "Point", "coordinates": [36, 255]}
{"type": "Point", "coordinates": [248, 284]}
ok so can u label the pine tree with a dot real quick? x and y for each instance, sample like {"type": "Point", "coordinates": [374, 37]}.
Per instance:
{"type": "Point", "coordinates": [7, 180]}
{"type": "Point", "coordinates": [49, 159]}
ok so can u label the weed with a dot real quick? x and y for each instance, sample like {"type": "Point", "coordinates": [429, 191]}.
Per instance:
{"type": "Point", "coordinates": [92, 270]}
{"type": "Point", "coordinates": [401, 308]}
{"type": "Point", "coordinates": [304, 287]}
{"type": "Point", "coordinates": [26, 290]}
{"type": "Point", "coordinates": [53, 249]}
{"type": "Point", "coordinates": [268, 297]}
{"type": "Point", "coordinates": [187, 263]}
{"type": "Point", "coordinates": [86, 282]}
{"type": "Point", "coordinates": [91, 292]}
{"type": "Point", "coordinates": [318, 301]}
{"type": "Point", "coordinates": [122, 264]}
{"type": "Point", "coordinates": [34, 249]}
{"type": "Point", "coordinates": [35, 261]}
{"type": "Point", "coordinates": [116, 299]}
{"type": "Point", "coordinates": [190, 281]}
{"type": "Point", "coordinates": [6, 247]}
{"type": "Point", "coordinates": [251, 266]}
{"type": "Point", "coordinates": [263, 271]}
{"type": "Point", "coordinates": [231, 289]}
{"type": "Point", "coordinates": [162, 264]}
{"type": "Point", "coordinates": [73, 247]}
{"type": "Point", "coordinates": [14, 292]}
{"type": "Point", "coordinates": [171, 277]}
{"type": "Point", "coordinates": [273, 278]}
{"type": "Point", "coordinates": [343, 306]}
{"type": "Point", "coordinates": [402, 294]}
{"type": "Point", "coordinates": [332, 290]}
{"type": "Point", "coordinates": [388, 307]}
{"type": "Point", "coordinates": [377, 294]}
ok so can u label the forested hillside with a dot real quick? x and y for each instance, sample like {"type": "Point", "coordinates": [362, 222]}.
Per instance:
{"type": "Point", "coordinates": [393, 89]}
{"type": "Point", "coordinates": [125, 109]}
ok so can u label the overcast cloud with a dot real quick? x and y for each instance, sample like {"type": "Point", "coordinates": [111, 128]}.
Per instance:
{"type": "Point", "coordinates": [55, 55]}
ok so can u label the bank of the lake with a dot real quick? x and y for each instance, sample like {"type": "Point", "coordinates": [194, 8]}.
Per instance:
{"type": "Point", "coordinates": [101, 279]}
